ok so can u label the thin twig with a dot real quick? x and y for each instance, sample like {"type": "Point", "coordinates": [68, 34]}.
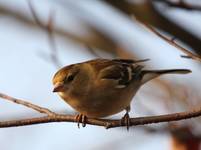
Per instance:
{"type": "Point", "coordinates": [49, 28]}
{"type": "Point", "coordinates": [171, 42]}
{"type": "Point", "coordinates": [27, 104]}
{"type": "Point", "coordinates": [180, 4]}
{"type": "Point", "coordinates": [55, 117]}
{"type": "Point", "coordinates": [92, 51]}
{"type": "Point", "coordinates": [52, 40]}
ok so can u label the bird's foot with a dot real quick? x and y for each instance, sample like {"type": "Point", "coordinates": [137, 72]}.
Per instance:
{"type": "Point", "coordinates": [80, 118]}
{"type": "Point", "coordinates": [125, 120]}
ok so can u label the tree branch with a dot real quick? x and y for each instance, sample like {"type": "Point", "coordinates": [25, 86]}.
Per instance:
{"type": "Point", "coordinates": [50, 32]}
{"type": "Point", "coordinates": [180, 4]}
{"type": "Point", "coordinates": [147, 12]}
{"type": "Point", "coordinates": [55, 117]}
{"type": "Point", "coordinates": [27, 104]}
{"type": "Point", "coordinates": [172, 42]}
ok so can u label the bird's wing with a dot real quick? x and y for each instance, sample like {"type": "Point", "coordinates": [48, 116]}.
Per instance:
{"type": "Point", "coordinates": [122, 72]}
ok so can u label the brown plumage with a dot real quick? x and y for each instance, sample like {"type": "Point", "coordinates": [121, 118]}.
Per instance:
{"type": "Point", "coordinates": [102, 87]}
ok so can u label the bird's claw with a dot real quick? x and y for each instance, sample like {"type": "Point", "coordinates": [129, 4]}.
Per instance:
{"type": "Point", "coordinates": [80, 118]}
{"type": "Point", "coordinates": [125, 120]}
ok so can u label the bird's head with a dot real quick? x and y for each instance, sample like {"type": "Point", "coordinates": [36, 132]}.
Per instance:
{"type": "Point", "coordinates": [64, 79]}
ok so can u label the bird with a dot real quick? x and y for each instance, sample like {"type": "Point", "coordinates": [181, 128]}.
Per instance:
{"type": "Point", "coordinates": [100, 88]}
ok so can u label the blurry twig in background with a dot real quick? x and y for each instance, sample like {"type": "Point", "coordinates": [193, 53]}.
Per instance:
{"type": "Point", "coordinates": [49, 29]}
{"type": "Point", "coordinates": [95, 39]}
{"type": "Point", "coordinates": [92, 51]}
{"type": "Point", "coordinates": [171, 42]}
{"type": "Point", "coordinates": [147, 12]}
{"type": "Point", "coordinates": [180, 4]}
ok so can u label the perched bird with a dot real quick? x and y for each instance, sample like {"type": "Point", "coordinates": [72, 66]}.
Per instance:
{"type": "Point", "coordinates": [102, 87]}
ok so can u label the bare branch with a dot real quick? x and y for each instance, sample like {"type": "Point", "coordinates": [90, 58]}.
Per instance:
{"type": "Point", "coordinates": [92, 51]}
{"type": "Point", "coordinates": [27, 104]}
{"type": "Point", "coordinates": [50, 30]}
{"type": "Point", "coordinates": [148, 12]}
{"type": "Point", "coordinates": [172, 42]}
{"type": "Point", "coordinates": [180, 4]}
{"type": "Point", "coordinates": [54, 117]}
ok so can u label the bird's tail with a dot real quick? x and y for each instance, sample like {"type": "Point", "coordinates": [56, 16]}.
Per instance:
{"type": "Point", "coordinates": [151, 74]}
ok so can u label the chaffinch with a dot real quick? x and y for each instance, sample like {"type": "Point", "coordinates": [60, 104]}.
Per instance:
{"type": "Point", "coordinates": [103, 87]}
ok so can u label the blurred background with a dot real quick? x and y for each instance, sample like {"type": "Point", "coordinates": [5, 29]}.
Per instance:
{"type": "Point", "coordinates": [38, 38]}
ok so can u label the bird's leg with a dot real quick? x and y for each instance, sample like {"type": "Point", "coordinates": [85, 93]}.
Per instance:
{"type": "Point", "coordinates": [125, 120]}
{"type": "Point", "coordinates": [80, 118]}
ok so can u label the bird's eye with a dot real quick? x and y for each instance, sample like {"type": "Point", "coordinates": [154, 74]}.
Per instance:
{"type": "Point", "coordinates": [69, 78]}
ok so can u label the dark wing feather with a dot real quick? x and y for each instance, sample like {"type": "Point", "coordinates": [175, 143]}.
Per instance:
{"type": "Point", "coordinates": [124, 73]}
{"type": "Point", "coordinates": [129, 61]}
{"type": "Point", "coordinates": [111, 72]}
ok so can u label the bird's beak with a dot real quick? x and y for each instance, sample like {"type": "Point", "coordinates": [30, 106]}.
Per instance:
{"type": "Point", "coordinates": [58, 87]}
